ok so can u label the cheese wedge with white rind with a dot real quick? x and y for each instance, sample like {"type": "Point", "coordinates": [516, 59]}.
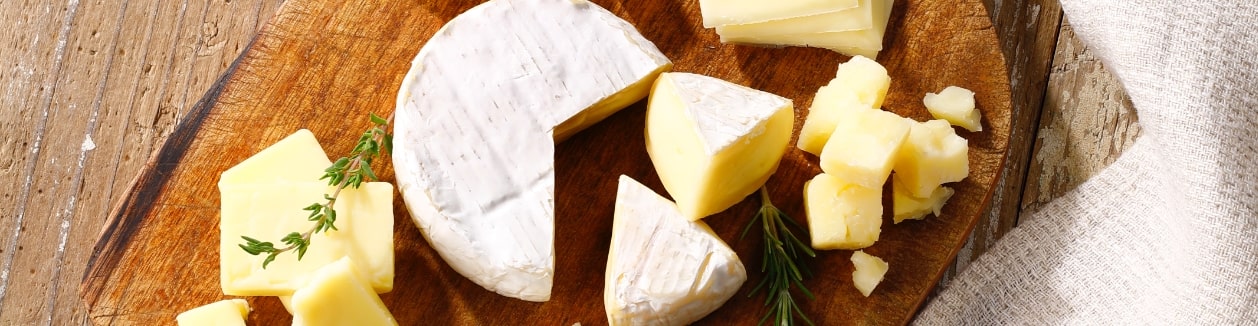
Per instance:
{"type": "Point", "coordinates": [477, 118]}
{"type": "Point", "coordinates": [867, 41]}
{"type": "Point", "coordinates": [714, 142]}
{"type": "Point", "coordinates": [730, 12]}
{"type": "Point", "coordinates": [298, 157]}
{"type": "Point", "coordinates": [269, 211]}
{"type": "Point", "coordinates": [232, 312]}
{"type": "Point", "coordinates": [662, 268]}
{"type": "Point", "coordinates": [338, 294]}
{"type": "Point", "coordinates": [851, 19]}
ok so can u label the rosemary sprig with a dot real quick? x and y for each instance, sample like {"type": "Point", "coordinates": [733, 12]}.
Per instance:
{"type": "Point", "coordinates": [349, 171]}
{"type": "Point", "coordinates": [782, 265]}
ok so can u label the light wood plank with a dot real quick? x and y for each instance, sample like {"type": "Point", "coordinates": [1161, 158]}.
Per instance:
{"type": "Point", "coordinates": [1087, 122]}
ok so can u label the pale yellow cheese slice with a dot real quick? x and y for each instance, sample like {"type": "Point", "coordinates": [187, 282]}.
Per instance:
{"type": "Point", "coordinates": [869, 271]}
{"type": "Point", "coordinates": [223, 313]}
{"type": "Point", "coordinates": [338, 294]}
{"type": "Point", "coordinates": [269, 211]}
{"type": "Point", "coordinates": [714, 142]}
{"type": "Point", "coordinates": [298, 157]}
{"type": "Point", "coordinates": [858, 18]}
{"type": "Point", "coordinates": [841, 214]}
{"type": "Point", "coordinates": [729, 12]}
{"type": "Point", "coordinates": [869, 39]}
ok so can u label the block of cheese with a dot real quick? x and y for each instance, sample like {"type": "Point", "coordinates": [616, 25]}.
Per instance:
{"type": "Point", "coordinates": [831, 104]}
{"type": "Point", "coordinates": [271, 210]}
{"type": "Point", "coordinates": [905, 206]}
{"type": "Point", "coordinates": [956, 105]}
{"type": "Point", "coordinates": [869, 39]}
{"type": "Point", "coordinates": [231, 312]}
{"type": "Point", "coordinates": [339, 294]}
{"type": "Point", "coordinates": [663, 268]}
{"type": "Point", "coordinates": [477, 118]}
{"type": "Point", "coordinates": [730, 12]}
{"type": "Point", "coordinates": [869, 271]}
{"type": "Point", "coordinates": [714, 142]}
{"type": "Point", "coordinates": [841, 214]}
{"type": "Point", "coordinates": [297, 157]}
{"type": "Point", "coordinates": [860, 83]}
{"type": "Point", "coordinates": [857, 18]}
{"type": "Point", "coordinates": [863, 149]}
{"type": "Point", "coordinates": [932, 155]}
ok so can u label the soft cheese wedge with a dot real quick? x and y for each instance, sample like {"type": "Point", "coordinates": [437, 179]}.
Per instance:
{"type": "Point", "coordinates": [338, 294]}
{"type": "Point", "coordinates": [663, 268]}
{"type": "Point", "coordinates": [271, 210]}
{"type": "Point", "coordinates": [223, 313]}
{"type": "Point", "coordinates": [932, 154]}
{"type": "Point", "coordinates": [841, 214]}
{"type": "Point", "coordinates": [860, 84]}
{"type": "Point", "coordinates": [298, 157]}
{"type": "Point", "coordinates": [851, 19]}
{"type": "Point", "coordinates": [863, 148]}
{"type": "Point", "coordinates": [730, 12]}
{"type": "Point", "coordinates": [866, 42]}
{"type": "Point", "coordinates": [714, 142]}
{"type": "Point", "coordinates": [905, 206]}
{"type": "Point", "coordinates": [956, 105]}
{"type": "Point", "coordinates": [477, 119]}
{"type": "Point", "coordinates": [869, 272]}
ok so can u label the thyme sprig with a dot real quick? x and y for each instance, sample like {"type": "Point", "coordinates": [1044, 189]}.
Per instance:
{"type": "Point", "coordinates": [782, 263]}
{"type": "Point", "coordinates": [350, 171]}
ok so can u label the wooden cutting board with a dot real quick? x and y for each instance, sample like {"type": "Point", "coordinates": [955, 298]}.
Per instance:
{"type": "Point", "coordinates": [323, 65]}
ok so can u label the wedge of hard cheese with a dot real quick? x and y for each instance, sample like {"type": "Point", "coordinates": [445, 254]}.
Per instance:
{"type": "Point", "coordinates": [477, 119]}
{"type": "Point", "coordinates": [663, 268]}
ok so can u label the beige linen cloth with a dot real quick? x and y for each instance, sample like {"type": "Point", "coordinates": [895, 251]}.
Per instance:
{"type": "Point", "coordinates": [1168, 234]}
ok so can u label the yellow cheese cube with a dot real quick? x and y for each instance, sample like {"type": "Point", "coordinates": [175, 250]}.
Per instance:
{"type": "Point", "coordinates": [860, 83]}
{"type": "Point", "coordinates": [907, 207]}
{"type": "Point", "coordinates": [223, 313]}
{"type": "Point", "coordinates": [858, 18]}
{"type": "Point", "coordinates": [269, 211]}
{"type": "Point", "coordinates": [956, 105]}
{"type": "Point", "coordinates": [842, 215]}
{"type": "Point", "coordinates": [866, 77]}
{"type": "Point", "coordinates": [932, 155]}
{"type": "Point", "coordinates": [297, 157]}
{"type": "Point", "coordinates": [869, 271]}
{"type": "Point", "coordinates": [863, 148]}
{"type": "Point", "coordinates": [338, 294]}
{"type": "Point", "coordinates": [714, 142]}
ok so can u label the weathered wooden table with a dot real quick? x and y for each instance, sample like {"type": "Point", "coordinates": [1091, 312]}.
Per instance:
{"type": "Point", "coordinates": [91, 88]}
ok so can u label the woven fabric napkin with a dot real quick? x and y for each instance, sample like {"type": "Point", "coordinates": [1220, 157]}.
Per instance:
{"type": "Point", "coordinates": [1168, 234]}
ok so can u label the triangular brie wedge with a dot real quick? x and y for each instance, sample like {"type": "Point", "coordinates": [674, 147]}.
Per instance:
{"type": "Point", "coordinates": [663, 268]}
{"type": "Point", "coordinates": [474, 151]}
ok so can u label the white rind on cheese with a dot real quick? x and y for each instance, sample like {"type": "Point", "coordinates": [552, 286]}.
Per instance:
{"type": "Point", "coordinates": [662, 268]}
{"type": "Point", "coordinates": [475, 117]}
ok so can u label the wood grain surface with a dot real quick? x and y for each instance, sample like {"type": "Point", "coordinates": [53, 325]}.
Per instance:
{"type": "Point", "coordinates": [167, 53]}
{"type": "Point", "coordinates": [317, 63]}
